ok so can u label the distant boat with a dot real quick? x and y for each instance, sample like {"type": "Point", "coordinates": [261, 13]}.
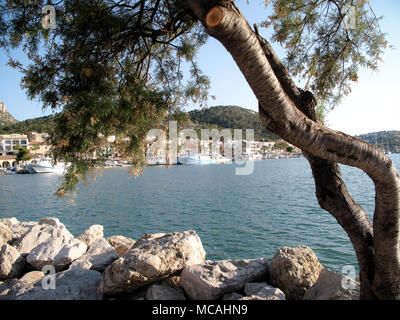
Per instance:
{"type": "Point", "coordinates": [196, 159]}
{"type": "Point", "coordinates": [221, 159]}
{"type": "Point", "coordinates": [44, 165]}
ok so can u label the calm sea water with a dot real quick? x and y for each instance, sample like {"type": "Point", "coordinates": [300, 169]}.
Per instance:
{"type": "Point", "coordinates": [236, 217]}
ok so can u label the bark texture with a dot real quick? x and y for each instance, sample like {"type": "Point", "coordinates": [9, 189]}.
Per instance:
{"type": "Point", "coordinates": [283, 111]}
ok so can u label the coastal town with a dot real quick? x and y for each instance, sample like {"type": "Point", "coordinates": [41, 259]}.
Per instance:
{"type": "Point", "coordinates": [39, 149]}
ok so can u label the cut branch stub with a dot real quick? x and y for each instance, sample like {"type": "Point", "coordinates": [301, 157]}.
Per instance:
{"type": "Point", "coordinates": [214, 17]}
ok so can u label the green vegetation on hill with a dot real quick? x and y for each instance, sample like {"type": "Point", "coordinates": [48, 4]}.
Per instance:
{"type": "Point", "coordinates": [232, 117]}
{"type": "Point", "coordinates": [42, 124]}
{"type": "Point", "coordinates": [385, 140]}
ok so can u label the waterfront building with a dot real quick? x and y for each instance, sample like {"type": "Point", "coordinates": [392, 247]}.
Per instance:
{"type": "Point", "coordinates": [9, 143]}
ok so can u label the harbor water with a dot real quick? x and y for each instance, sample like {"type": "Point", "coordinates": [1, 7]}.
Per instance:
{"type": "Point", "coordinates": [236, 216]}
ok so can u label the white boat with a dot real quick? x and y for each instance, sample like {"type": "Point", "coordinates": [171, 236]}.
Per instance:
{"type": "Point", "coordinates": [156, 160]}
{"type": "Point", "coordinates": [45, 165]}
{"type": "Point", "coordinates": [195, 159]}
{"type": "Point", "coordinates": [221, 159]}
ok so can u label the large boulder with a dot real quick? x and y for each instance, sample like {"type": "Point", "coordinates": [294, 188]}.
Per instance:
{"type": "Point", "coordinates": [90, 235]}
{"type": "Point", "coordinates": [71, 251]}
{"type": "Point", "coordinates": [12, 263]}
{"type": "Point", "coordinates": [9, 222]}
{"type": "Point", "coordinates": [211, 279]}
{"type": "Point", "coordinates": [151, 259]}
{"type": "Point", "coordinates": [165, 291]}
{"type": "Point", "coordinates": [263, 290]}
{"type": "Point", "coordinates": [5, 234]}
{"type": "Point", "coordinates": [76, 284]}
{"type": "Point", "coordinates": [331, 285]}
{"type": "Point", "coordinates": [19, 230]}
{"type": "Point", "coordinates": [45, 253]}
{"type": "Point", "coordinates": [121, 244]}
{"type": "Point", "coordinates": [32, 276]}
{"type": "Point", "coordinates": [45, 230]}
{"type": "Point", "coordinates": [100, 255]}
{"type": "Point", "coordinates": [294, 271]}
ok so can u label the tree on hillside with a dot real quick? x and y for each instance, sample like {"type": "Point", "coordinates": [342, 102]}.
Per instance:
{"type": "Point", "coordinates": [115, 67]}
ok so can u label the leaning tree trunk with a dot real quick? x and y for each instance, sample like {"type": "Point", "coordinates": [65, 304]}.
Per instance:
{"type": "Point", "coordinates": [283, 114]}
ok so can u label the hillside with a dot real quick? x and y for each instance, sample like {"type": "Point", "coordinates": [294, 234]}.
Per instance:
{"type": "Point", "coordinates": [385, 140]}
{"type": "Point", "coordinates": [232, 117]}
{"type": "Point", "coordinates": [42, 124]}
{"type": "Point", "coordinates": [5, 118]}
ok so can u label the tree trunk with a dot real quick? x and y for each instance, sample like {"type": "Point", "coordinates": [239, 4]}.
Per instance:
{"type": "Point", "coordinates": [331, 191]}
{"type": "Point", "coordinates": [323, 147]}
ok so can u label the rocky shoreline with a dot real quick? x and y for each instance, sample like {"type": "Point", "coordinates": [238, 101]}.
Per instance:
{"type": "Point", "coordinates": [44, 261]}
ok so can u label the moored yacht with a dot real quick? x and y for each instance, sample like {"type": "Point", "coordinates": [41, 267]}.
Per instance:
{"type": "Point", "coordinates": [45, 165]}
{"type": "Point", "coordinates": [195, 159]}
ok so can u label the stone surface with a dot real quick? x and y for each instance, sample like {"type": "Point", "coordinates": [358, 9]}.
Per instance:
{"type": "Point", "coordinates": [151, 259]}
{"type": "Point", "coordinates": [121, 244]}
{"type": "Point", "coordinates": [19, 230]}
{"type": "Point", "coordinates": [164, 291]}
{"type": "Point", "coordinates": [47, 229]}
{"type": "Point", "coordinates": [212, 279]}
{"type": "Point", "coordinates": [71, 251]}
{"type": "Point", "coordinates": [333, 286]}
{"type": "Point", "coordinates": [6, 286]}
{"type": "Point", "coordinates": [264, 290]}
{"type": "Point", "coordinates": [45, 253]}
{"type": "Point", "coordinates": [100, 255]}
{"type": "Point", "coordinates": [232, 296]}
{"type": "Point", "coordinates": [294, 271]}
{"type": "Point", "coordinates": [90, 235]}
{"type": "Point", "coordinates": [76, 284]}
{"type": "Point", "coordinates": [9, 222]}
{"type": "Point", "coordinates": [5, 234]}
{"type": "Point", "coordinates": [32, 276]}
{"type": "Point", "coordinates": [80, 264]}
{"type": "Point", "coordinates": [12, 263]}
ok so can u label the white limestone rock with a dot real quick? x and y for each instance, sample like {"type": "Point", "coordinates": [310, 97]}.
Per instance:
{"type": "Point", "coordinates": [5, 234]}
{"type": "Point", "coordinates": [121, 244]}
{"type": "Point", "coordinates": [71, 251]}
{"type": "Point", "coordinates": [80, 264]}
{"type": "Point", "coordinates": [45, 253]}
{"type": "Point", "coordinates": [264, 290]}
{"type": "Point", "coordinates": [90, 235]}
{"type": "Point", "coordinates": [45, 230]}
{"type": "Point", "coordinates": [151, 259]}
{"type": "Point", "coordinates": [294, 271]}
{"type": "Point", "coordinates": [211, 279]}
{"type": "Point", "coordinates": [76, 284]}
{"type": "Point", "coordinates": [12, 263]}
{"type": "Point", "coordinates": [100, 255]}
{"type": "Point", "coordinates": [331, 285]}
{"type": "Point", "coordinates": [9, 222]}
{"type": "Point", "coordinates": [19, 230]}
{"type": "Point", "coordinates": [32, 276]}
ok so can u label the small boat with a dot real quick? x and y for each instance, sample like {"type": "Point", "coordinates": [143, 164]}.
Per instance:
{"type": "Point", "coordinates": [196, 159]}
{"type": "Point", "coordinates": [221, 159]}
{"type": "Point", "coordinates": [45, 165]}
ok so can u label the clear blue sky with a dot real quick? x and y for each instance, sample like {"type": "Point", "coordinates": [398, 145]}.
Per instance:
{"type": "Point", "coordinates": [373, 104]}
